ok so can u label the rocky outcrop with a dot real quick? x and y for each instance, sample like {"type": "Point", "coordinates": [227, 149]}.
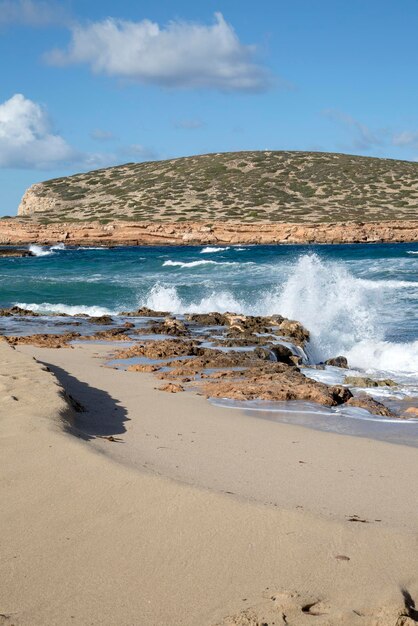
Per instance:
{"type": "Point", "coordinates": [18, 232]}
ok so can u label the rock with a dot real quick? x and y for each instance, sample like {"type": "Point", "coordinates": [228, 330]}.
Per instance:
{"type": "Point", "coordinates": [143, 367]}
{"type": "Point", "coordinates": [294, 330]}
{"type": "Point", "coordinates": [360, 381]}
{"type": "Point", "coordinates": [208, 319]}
{"type": "Point", "coordinates": [338, 361]}
{"type": "Point", "coordinates": [364, 401]}
{"type": "Point", "coordinates": [144, 312]}
{"type": "Point", "coordinates": [13, 253]}
{"type": "Point", "coordinates": [166, 348]}
{"type": "Point", "coordinates": [16, 310]}
{"type": "Point", "coordinates": [44, 340]}
{"type": "Point", "coordinates": [411, 411]}
{"type": "Point", "coordinates": [279, 353]}
{"type": "Point", "coordinates": [171, 388]}
{"type": "Point", "coordinates": [170, 326]}
{"type": "Point", "coordinates": [102, 319]}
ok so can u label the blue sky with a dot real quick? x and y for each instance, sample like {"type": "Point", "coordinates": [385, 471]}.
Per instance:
{"type": "Point", "coordinates": [91, 84]}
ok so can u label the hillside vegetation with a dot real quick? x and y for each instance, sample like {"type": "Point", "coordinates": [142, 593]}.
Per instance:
{"type": "Point", "coordinates": [240, 186]}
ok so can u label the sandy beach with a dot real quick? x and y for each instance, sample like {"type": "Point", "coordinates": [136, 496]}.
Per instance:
{"type": "Point", "coordinates": [193, 514]}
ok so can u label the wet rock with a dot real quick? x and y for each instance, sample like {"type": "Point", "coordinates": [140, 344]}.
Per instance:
{"type": "Point", "coordinates": [365, 381]}
{"type": "Point", "coordinates": [166, 348]}
{"type": "Point", "coordinates": [279, 353]}
{"type": "Point", "coordinates": [12, 253]}
{"type": "Point", "coordinates": [338, 361]}
{"type": "Point", "coordinates": [16, 310]}
{"type": "Point", "coordinates": [171, 388]}
{"type": "Point", "coordinates": [208, 319]}
{"type": "Point", "coordinates": [170, 326]}
{"type": "Point", "coordinates": [102, 319]}
{"type": "Point", "coordinates": [294, 330]}
{"type": "Point", "coordinates": [143, 367]}
{"type": "Point", "coordinates": [144, 312]}
{"type": "Point", "coordinates": [290, 384]}
{"type": "Point", "coordinates": [364, 401]}
{"type": "Point", "coordinates": [117, 334]}
{"type": "Point", "coordinates": [44, 340]}
{"type": "Point", "coordinates": [411, 411]}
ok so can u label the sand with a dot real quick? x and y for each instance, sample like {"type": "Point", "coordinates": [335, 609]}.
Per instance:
{"type": "Point", "coordinates": [145, 531]}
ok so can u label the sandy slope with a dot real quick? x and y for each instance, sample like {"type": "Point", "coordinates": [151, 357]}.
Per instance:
{"type": "Point", "coordinates": [88, 540]}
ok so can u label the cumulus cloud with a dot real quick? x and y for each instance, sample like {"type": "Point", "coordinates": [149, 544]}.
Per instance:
{"type": "Point", "coordinates": [26, 138]}
{"type": "Point", "coordinates": [182, 54]}
{"type": "Point", "coordinates": [31, 12]}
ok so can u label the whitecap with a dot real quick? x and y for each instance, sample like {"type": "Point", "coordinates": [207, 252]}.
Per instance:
{"type": "Point", "coordinates": [68, 309]}
{"type": "Point", "coordinates": [212, 250]}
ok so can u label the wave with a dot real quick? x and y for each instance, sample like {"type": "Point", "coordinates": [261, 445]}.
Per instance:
{"type": "Point", "coordinates": [39, 250]}
{"type": "Point", "coordinates": [412, 252]}
{"type": "Point", "coordinates": [68, 309]}
{"type": "Point", "coordinates": [212, 250]}
{"type": "Point", "coordinates": [341, 311]}
{"type": "Point", "coordinates": [170, 263]}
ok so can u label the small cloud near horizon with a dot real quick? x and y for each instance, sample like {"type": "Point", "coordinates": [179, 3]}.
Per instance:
{"type": "Point", "coordinates": [185, 55]}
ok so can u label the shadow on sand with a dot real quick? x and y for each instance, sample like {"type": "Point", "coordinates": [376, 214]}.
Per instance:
{"type": "Point", "coordinates": [101, 415]}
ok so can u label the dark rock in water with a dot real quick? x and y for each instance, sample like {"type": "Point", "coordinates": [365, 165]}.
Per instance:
{"type": "Point", "coordinates": [338, 361]}
{"type": "Point", "coordinates": [102, 319]}
{"type": "Point", "coordinates": [360, 381]}
{"type": "Point", "coordinates": [341, 394]}
{"type": "Point", "coordinates": [208, 319]}
{"type": "Point", "coordinates": [364, 401]}
{"type": "Point", "coordinates": [12, 253]}
{"type": "Point", "coordinates": [16, 310]}
{"type": "Point", "coordinates": [170, 326]}
{"type": "Point", "coordinates": [279, 353]}
{"type": "Point", "coordinates": [144, 312]}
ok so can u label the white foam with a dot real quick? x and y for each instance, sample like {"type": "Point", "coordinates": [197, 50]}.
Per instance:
{"type": "Point", "coordinates": [165, 298]}
{"type": "Point", "coordinates": [212, 250]}
{"type": "Point", "coordinates": [412, 252]}
{"type": "Point", "coordinates": [39, 250]}
{"type": "Point", "coordinates": [182, 264]}
{"type": "Point", "coordinates": [58, 246]}
{"type": "Point", "coordinates": [47, 307]}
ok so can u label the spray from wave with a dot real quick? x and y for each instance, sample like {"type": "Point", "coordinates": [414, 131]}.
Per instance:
{"type": "Point", "coordinates": [342, 312]}
{"type": "Point", "coordinates": [39, 250]}
{"type": "Point", "coordinates": [212, 250]}
{"type": "Point", "coordinates": [46, 308]}
{"type": "Point", "coordinates": [184, 264]}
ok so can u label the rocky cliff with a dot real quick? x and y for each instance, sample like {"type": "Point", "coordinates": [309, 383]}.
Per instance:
{"type": "Point", "coordinates": [13, 232]}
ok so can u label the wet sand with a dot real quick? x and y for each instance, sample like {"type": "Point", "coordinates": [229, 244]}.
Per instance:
{"type": "Point", "coordinates": [194, 514]}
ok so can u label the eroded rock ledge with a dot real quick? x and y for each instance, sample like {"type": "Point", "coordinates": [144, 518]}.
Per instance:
{"type": "Point", "coordinates": [14, 232]}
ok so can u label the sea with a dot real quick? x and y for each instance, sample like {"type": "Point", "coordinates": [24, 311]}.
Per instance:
{"type": "Point", "coordinates": [358, 300]}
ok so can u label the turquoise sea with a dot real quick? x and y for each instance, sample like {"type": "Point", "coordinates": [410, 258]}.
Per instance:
{"type": "Point", "coordinates": [357, 300]}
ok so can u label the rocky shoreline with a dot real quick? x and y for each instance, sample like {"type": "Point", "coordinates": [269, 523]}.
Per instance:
{"type": "Point", "coordinates": [219, 355]}
{"type": "Point", "coordinates": [19, 232]}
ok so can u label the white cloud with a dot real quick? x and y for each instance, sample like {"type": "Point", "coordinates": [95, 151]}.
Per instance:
{"type": "Point", "coordinates": [31, 12]}
{"type": "Point", "coordinates": [26, 138]}
{"type": "Point", "coordinates": [182, 54]}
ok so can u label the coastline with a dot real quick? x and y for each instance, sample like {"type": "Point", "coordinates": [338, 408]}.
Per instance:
{"type": "Point", "coordinates": [110, 542]}
{"type": "Point", "coordinates": [13, 232]}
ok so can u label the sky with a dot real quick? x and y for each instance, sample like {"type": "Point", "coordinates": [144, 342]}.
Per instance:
{"type": "Point", "coordinates": [89, 84]}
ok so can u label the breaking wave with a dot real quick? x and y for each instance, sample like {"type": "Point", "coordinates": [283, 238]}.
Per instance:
{"type": "Point", "coordinates": [39, 250]}
{"type": "Point", "coordinates": [212, 250]}
{"type": "Point", "coordinates": [341, 311]}
{"type": "Point", "coordinates": [170, 263]}
{"type": "Point", "coordinates": [66, 309]}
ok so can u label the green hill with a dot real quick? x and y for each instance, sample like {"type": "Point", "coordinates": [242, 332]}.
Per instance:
{"type": "Point", "coordinates": [245, 186]}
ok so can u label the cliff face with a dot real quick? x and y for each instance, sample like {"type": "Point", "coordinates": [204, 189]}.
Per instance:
{"type": "Point", "coordinates": [250, 187]}
{"type": "Point", "coordinates": [194, 233]}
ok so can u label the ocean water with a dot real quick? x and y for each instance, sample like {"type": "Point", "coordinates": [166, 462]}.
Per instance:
{"type": "Point", "coordinates": [360, 301]}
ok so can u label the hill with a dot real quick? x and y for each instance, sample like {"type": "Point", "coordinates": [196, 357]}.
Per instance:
{"type": "Point", "coordinates": [266, 186]}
